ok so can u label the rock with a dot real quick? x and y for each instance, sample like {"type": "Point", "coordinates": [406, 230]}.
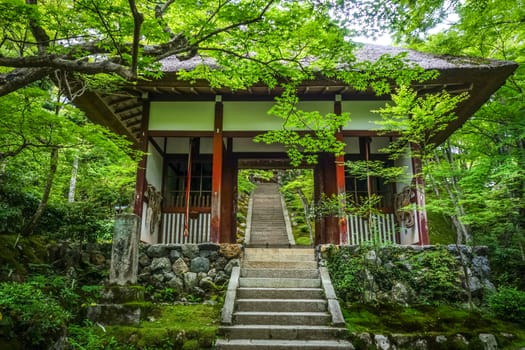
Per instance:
{"type": "Point", "coordinates": [230, 251]}
{"type": "Point", "coordinates": [190, 280]}
{"type": "Point", "coordinates": [364, 339]}
{"type": "Point", "coordinates": [231, 264]}
{"type": "Point", "coordinates": [489, 341]}
{"type": "Point", "coordinates": [382, 342]}
{"type": "Point", "coordinates": [400, 293]}
{"type": "Point", "coordinates": [161, 264]}
{"type": "Point", "coordinates": [179, 267]}
{"type": "Point", "coordinates": [213, 256]}
{"type": "Point", "coordinates": [177, 284]}
{"type": "Point", "coordinates": [168, 276]}
{"type": "Point", "coordinates": [175, 254]}
{"type": "Point", "coordinates": [157, 279]}
{"type": "Point", "coordinates": [488, 285]}
{"type": "Point", "coordinates": [407, 266]}
{"type": "Point", "coordinates": [420, 344]}
{"type": "Point", "coordinates": [156, 250]}
{"type": "Point", "coordinates": [197, 292]}
{"type": "Point", "coordinates": [144, 260]}
{"type": "Point", "coordinates": [97, 258]}
{"type": "Point", "coordinates": [325, 250]}
{"type": "Point", "coordinates": [474, 284]}
{"type": "Point", "coordinates": [212, 273]}
{"type": "Point", "coordinates": [220, 263]}
{"type": "Point", "coordinates": [481, 265]}
{"type": "Point", "coordinates": [440, 339]}
{"type": "Point", "coordinates": [190, 251]}
{"type": "Point", "coordinates": [221, 278]}
{"type": "Point", "coordinates": [207, 283]}
{"type": "Point", "coordinates": [207, 249]}
{"type": "Point", "coordinates": [200, 264]}
{"type": "Point", "coordinates": [402, 341]}
{"type": "Point", "coordinates": [389, 266]}
{"type": "Point", "coordinates": [371, 256]}
{"type": "Point", "coordinates": [459, 341]}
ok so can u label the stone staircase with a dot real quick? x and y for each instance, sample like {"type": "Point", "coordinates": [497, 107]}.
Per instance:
{"type": "Point", "coordinates": [268, 219]}
{"type": "Point", "coordinates": [280, 299]}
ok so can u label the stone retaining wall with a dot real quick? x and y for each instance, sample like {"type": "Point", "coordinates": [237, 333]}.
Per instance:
{"type": "Point", "coordinates": [193, 269]}
{"type": "Point", "coordinates": [187, 269]}
{"type": "Point", "coordinates": [400, 273]}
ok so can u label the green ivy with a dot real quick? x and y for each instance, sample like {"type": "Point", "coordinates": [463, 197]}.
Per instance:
{"type": "Point", "coordinates": [433, 275]}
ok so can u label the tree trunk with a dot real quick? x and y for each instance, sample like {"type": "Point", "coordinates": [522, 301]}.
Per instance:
{"type": "Point", "coordinates": [306, 208]}
{"type": "Point", "coordinates": [53, 164]}
{"type": "Point", "coordinates": [73, 181]}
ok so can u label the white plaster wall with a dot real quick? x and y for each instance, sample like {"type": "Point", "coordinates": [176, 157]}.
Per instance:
{"type": "Point", "coordinates": [253, 116]}
{"type": "Point", "coordinates": [361, 116]}
{"type": "Point", "coordinates": [407, 235]}
{"type": "Point", "coordinates": [182, 115]}
{"type": "Point", "coordinates": [154, 167]}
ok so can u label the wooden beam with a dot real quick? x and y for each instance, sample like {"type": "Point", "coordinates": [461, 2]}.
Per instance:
{"type": "Point", "coordinates": [127, 108]}
{"type": "Point", "coordinates": [140, 185]}
{"type": "Point", "coordinates": [216, 181]}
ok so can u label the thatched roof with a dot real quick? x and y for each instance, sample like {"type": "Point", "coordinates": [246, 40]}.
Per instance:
{"type": "Point", "coordinates": [366, 52]}
{"type": "Point", "coordinates": [122, 112]}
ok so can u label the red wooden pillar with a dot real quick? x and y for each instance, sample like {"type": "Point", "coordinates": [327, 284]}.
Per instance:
{"type": "Point", "coordinates": [216, 181]}
{"type": "Point", "coordinates": [228, 195]}
{"type": "Point", "coordinates": [327, 228]}
{"type": "Point", "coordinates": [140, 184]}
{"type": "Point", "coordinates": [421, 213]}
{"type": "Point", "coordinates": [340, 180]}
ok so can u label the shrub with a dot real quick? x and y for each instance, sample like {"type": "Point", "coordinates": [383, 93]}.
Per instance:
{"type": "Point", "coordinates": [508, 304]}
{"type": "Point", "coordinates": [37, 318]}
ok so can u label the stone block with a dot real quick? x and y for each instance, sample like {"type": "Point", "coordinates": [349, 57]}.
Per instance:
{"type": "Point", "coordinates": [200, 264]}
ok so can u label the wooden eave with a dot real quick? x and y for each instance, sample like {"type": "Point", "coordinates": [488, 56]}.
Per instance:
{"type": "Point", "coordinates": [122, 112]}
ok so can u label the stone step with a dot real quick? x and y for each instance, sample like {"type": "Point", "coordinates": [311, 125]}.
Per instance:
{"type": "Point", "coordinates": [279, 282]}
{"type": "Point", "coordinates": [278, 257]}
{"type": "Point", "coordinates": [280, 273]}
{"type": "Point", "coordinates": [282, 305]}
{"type": "Point", "coordinates": [280, 293]}
{"type": "Point", "coordinates": [290, 265]}
{"type": "Point", "coordinates": [282, 318]}
{"type": "Point", "coordinates": [287, 332]}
{"type": "Point", "coordinates": [284, 251]}
{"type": "Point", "coordinates": [278, 344]}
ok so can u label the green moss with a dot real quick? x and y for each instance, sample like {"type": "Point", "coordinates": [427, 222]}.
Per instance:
{"type": "Point", "coordinates": [191, 345]}
{"type": "Point", "coordinates": [431, 320]}
{"type": "Point", "coordinates": [29, 251]}
{"type": "Point", "coordinates": [302, 240]}
{"type": "Point", "coordinates": [174, 327]}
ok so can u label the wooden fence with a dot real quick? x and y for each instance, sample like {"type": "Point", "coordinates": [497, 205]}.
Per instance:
{"type": "Point", "coordinates": [173, 228]}
{"type": "Point", "coordinates": [378, 229]}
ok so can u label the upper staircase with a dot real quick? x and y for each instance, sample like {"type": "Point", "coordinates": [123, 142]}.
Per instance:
{"type": "Point", "coordinates": [268, 217]}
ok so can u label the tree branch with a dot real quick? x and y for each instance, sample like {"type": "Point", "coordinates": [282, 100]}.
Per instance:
{"type": "Point", "coordinates": [57, 62]}
{"type": "Point", "coordinates": [19, 78]}
{"type": "Point", "coordinates": [234, 25]}
{"type": "Point", "coordinates": [138, 19]}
